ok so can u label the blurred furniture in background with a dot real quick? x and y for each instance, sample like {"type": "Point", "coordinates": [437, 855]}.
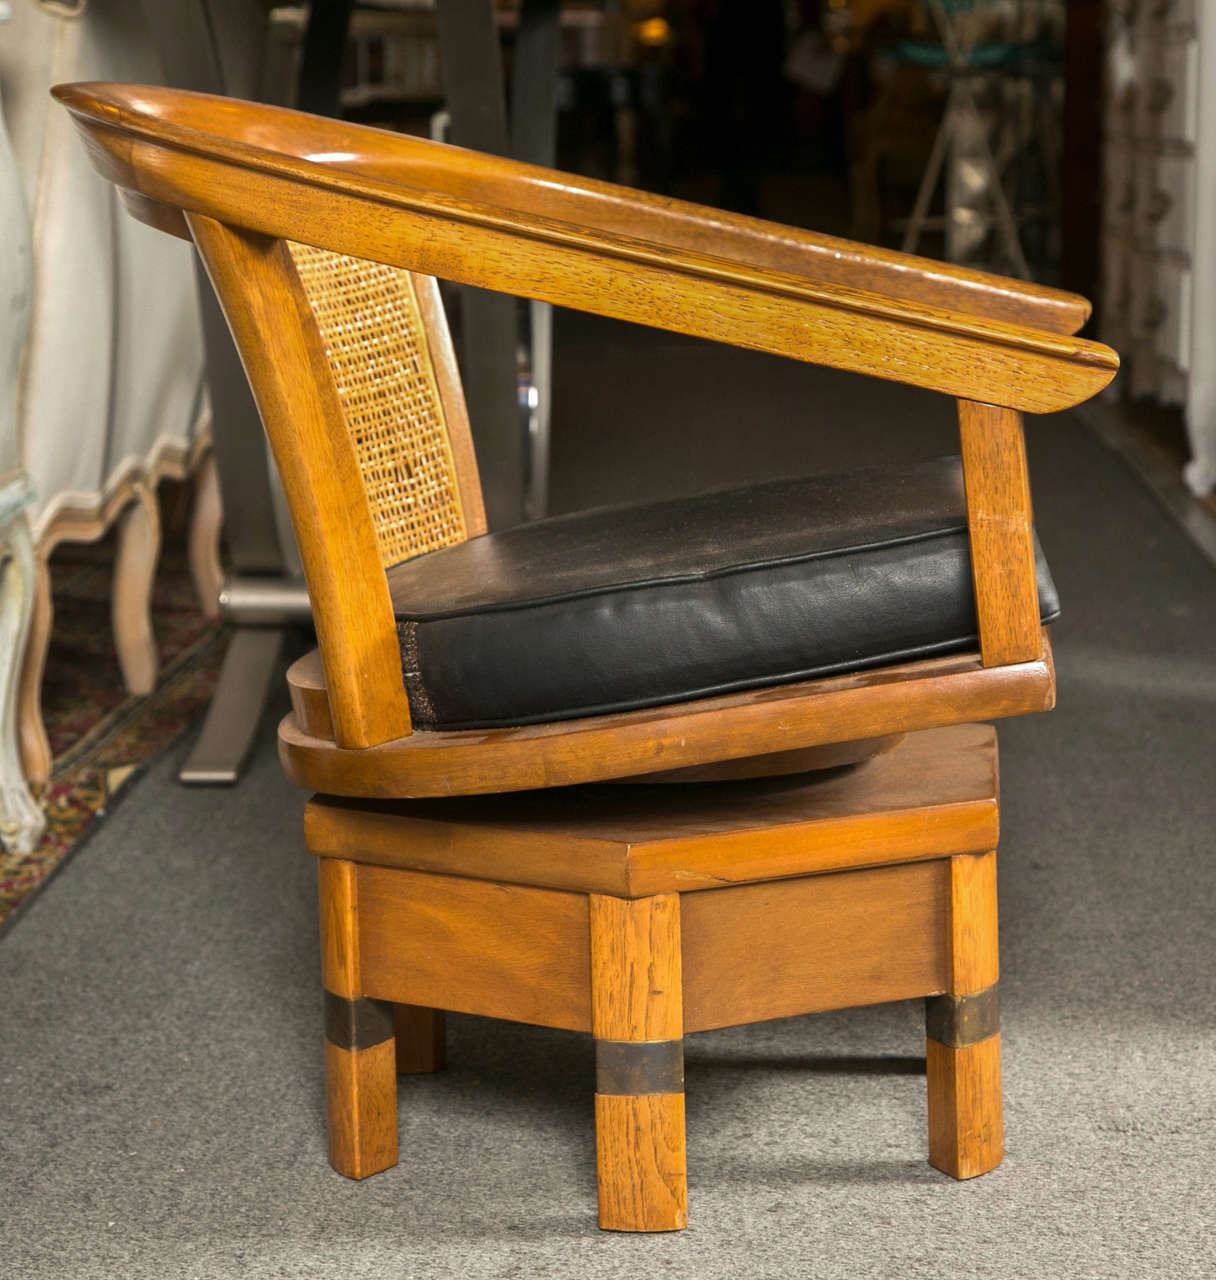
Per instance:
{"type": "Point", "coordinates": [995, 154]}
{"type": "Point", "coordinates": [234, 47]}
{"type": "Point", "coordinates": [21, 821]}
{"type": "Point", "coordinates": [1159, 211]}
{"type": "Point", "coordinates": [110, 395]}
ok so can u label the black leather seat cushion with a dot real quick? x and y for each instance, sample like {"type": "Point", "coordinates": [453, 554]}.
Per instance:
{"type": "Point", "coordinates": [634, 606]}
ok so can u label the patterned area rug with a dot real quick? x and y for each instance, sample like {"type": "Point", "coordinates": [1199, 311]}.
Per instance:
{"type": "Point", "coordinates": [101, 737]}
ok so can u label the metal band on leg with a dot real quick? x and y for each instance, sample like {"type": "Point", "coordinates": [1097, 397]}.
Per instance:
{"type": "Point", "coordinates": [959, 1021]}
{"type": "Point", "coordinates": [357, 1024]}
{"type": "Point", "coordinates": [637, 1067]}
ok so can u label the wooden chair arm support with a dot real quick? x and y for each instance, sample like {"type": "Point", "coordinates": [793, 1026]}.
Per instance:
{"type": "Point", "coordinates": [1001, 530]}
{"type": "Point", "coordinates": [498, 242]}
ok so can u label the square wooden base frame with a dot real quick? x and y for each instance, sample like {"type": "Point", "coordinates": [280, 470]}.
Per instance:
{"type": "Point", "coordinates": [641, 913]}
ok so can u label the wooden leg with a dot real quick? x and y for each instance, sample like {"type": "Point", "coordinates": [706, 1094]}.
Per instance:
{"type": "Point", "coordinates": [637, 1018]}
{"type": "Point", "coordinates": [966, 1128]}
{"type": "Point", "coordinates": [31, 732]}
{"type": "Point", "coordinates": [21, 820]}
{"type": "Point", "coordinates": [134, 574]}
{"type": "Point", "coordinates": [206, 522]}
{"type": "Point", "coordinates": [360, 1059]}
{"type": "Point", "coordinates": [963, 1040]}
{"type": "Point", "coordinates": [420, 1039]}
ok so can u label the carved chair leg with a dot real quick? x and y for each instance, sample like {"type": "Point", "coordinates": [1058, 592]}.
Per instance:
{"type": "Point", "coordinates": [31, 731]}
{"type": "Point", "coordinates": [638, 1021]}
{"type": "Point", "coordinates": [206, 522]}
{"type": "Point", "coordinates": [21, 820]}
{"type": "Point", "coordinates": [360, 1057]}
{"type": "Point", "coordinates": [134, 574]}
{"type": "Point", "coordinates": [420, 1039]}
{"type": "Point", "coordinates": [963, 1038]}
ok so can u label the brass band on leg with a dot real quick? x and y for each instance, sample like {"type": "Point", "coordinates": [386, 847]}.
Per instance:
{"type": "Point", "coordinates": [637, 1067]}
{"type": "Point", "coordinates": [357, 1024]}
{"type": "Point", "coordinates": [959, 1021]}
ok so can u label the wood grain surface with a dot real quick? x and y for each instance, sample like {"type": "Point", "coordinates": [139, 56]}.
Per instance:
{"type": "Point", "coordinates": [283, 354]}
{"type": "Point", "coordinates": [932, 795]}
{"type": "Point", "coordinates": [338, 897]}
{"type": "Point", "coordinates": [252, 166]}
{"type": "Point", "coordinates": [637, 995]}
{"type": "Point", "coordinates": [361, 1109]}
{"type": "Point", "coordinates": [1001, 532]}
{"type": "Point", "coordinates": [819, 942]}
{"type": "Point", "coordinates": [473, 946]}
{"type": "Point", "coordinates": [242, 179]}
{"type": "Point", "coordinates": [636, 972]}
{"type": "Point", "coordinates": [923, 695]}
{"type": "Point", "coordinates": [966, 1109]}
{"type": "Point", "coordinates": [966, 1113]}
{"type": "Point", "coordinates": [974, 959]}
{"type": "Point", "coordinates": [641, 1162]}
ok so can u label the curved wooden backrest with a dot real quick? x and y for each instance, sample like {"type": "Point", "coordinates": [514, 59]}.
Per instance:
{"type": "Point", "coordinates": [311, 228]}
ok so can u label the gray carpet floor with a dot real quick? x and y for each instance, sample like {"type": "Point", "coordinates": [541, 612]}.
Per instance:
{"type": "Point", "coordinates": [160, 1053]}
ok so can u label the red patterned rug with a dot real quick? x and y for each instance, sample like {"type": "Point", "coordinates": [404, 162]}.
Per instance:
{"type": "Point", "coordinates": [101, 737]}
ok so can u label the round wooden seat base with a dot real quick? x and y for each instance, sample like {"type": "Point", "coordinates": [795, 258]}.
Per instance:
{"type": "Point", "coordinates": [776, 764]}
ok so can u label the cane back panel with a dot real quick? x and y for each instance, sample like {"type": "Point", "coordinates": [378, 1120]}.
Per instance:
{"type": "Point", "coordinates": [379, 354]}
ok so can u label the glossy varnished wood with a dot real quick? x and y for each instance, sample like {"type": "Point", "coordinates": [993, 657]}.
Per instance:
{"type": "Point", "coordinates": [974, 958]}
{"type": "Point", "coordinates": [651, 913]}
{"type": "Point", "coordinates": [573, 199]}
{"type": "Point", "coordinates": [281, 348]}
{"type": "Point", "coordinates": [934, 795]}
{"type": "Point", "coordinates": [451, 395]}
{"type": "Point", "coordinates": [637, 997]}
{"type": "Point", "coordinates": [473, 946]}
{"type": "Point", "coordinates": [250, 166]}
{"type": "Point", "coordinates": [966, 1108]}
{"type": "Point", "coordinates": [739, 933]}
{"type": "Point", "coordinates": [1000, 531]}
{"type": "Point", "coordinates": [636, 968]}
{"type": "Point", "coordinates": [966, 1122]}
{"type": "Point", "coordinates": [361, 1109]}
{"type": "Point", "coordinates": [928, 694]}
{"type": "Point", "coordinates": [242, 179]}
{"type": "Point", "coordinates": [788, 947]}
{"type": "Point", "coordinates": [641, 1162]}
{"type": "Point", "coordinates": [360, 1083]}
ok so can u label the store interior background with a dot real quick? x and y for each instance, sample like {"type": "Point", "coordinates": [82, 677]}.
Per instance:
{"type": "Point", "coordinates": [824, 114]}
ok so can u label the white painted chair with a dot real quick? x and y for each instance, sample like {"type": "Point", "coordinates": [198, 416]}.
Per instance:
{"type": "Point", "coordinates": [109, 398]}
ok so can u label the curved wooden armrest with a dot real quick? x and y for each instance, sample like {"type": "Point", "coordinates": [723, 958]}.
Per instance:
{"type": "Point", "coordinates": [530, 190]}
{"type": "Point", "coordinates": [291, 176]}
{"type": "Point", "coordinates": [699, 229]}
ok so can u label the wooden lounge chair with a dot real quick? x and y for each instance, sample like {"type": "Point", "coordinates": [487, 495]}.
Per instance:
{"type": "Point", "coordinates": [801, 624]}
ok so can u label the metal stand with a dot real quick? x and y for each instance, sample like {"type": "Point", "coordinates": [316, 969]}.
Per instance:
{"type": "Point", "coordinates": [218, 46]}
{"type": "Point", "coordinates": [976, 202]}
{"type": "Point", "coordinates": [205, 46]}
{"type": "Point", "coordinates": [507, 356]}
{"type": "Point", "coordinates": [263, 609]}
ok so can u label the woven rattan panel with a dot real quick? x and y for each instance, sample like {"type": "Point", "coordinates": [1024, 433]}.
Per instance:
{"type": "Point", "coordinates": [377, 349]}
